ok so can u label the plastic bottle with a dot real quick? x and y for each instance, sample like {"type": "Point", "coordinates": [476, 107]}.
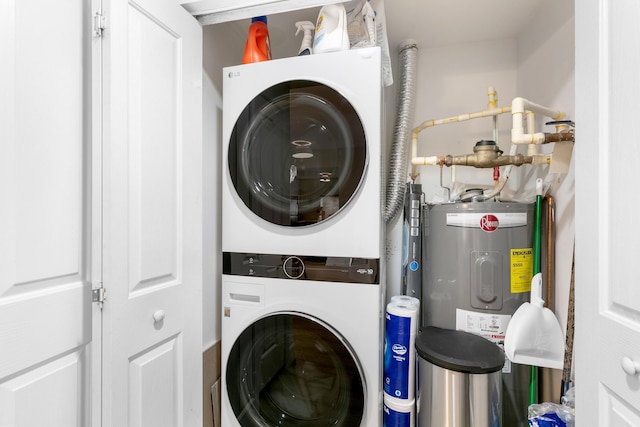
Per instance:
{"type": "Point", "coordinates": [257, 47]}
{"type": "Point", "coordinates": [307, 39]}
{"type": "Point", "coordinates": [331, 29]}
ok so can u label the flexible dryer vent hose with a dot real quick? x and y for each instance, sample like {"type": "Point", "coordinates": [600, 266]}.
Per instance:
{"type": "Point", "coordinates": [399, 159]}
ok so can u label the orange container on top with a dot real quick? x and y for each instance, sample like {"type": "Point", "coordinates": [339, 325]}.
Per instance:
{"type": "Point", "coordinates": [257, 47]}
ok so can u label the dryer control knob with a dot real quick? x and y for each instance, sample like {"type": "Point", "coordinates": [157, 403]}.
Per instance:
{"type": "Point", "coordinates": [293, 267]}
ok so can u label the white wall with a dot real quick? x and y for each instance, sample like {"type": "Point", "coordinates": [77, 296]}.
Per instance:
{"type": "Point", "coordinates": [222, 45]}
{"type": "Point", "coordinates": [546, 71]}
{"type": "Point", "coordinates": [212, 123]}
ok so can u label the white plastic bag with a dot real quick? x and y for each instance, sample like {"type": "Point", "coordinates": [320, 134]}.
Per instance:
{"type": "Point", "coordinates": [366, 27]}
{"type": "Point", "coordinates": [551, 415]}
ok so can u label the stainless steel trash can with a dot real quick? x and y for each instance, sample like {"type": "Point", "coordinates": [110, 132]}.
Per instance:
{"type": "Point", "coordinates": [459, 379]}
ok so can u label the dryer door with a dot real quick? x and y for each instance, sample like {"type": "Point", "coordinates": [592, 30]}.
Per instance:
{"type": "Point", "coordinates": [297, 153]}
{"type": "Point", "coordinates": [290, 370]}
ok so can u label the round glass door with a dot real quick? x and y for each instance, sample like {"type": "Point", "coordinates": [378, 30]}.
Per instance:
{"type": "Point", "coordinates": [297, 153]}
{"type": "Point", "coordinates": [289, 370]}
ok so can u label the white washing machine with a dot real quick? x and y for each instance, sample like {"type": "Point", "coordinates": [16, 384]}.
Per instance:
{"type": "Point", "coordinates": [301, 342]}
{"type": "Point", "coordinates": [302, 156]}
{"type": "Point", "coordinates": [302, 239]}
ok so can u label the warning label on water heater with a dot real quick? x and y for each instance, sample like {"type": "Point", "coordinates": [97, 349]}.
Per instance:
{"type": "Point", "coordinates": [521, 270]}
{"type": "Point", "coordinates": [488, 325]}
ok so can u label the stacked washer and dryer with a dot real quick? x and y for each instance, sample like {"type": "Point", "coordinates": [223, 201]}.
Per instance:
{"type": "Point", "coordinates": [302, 241]}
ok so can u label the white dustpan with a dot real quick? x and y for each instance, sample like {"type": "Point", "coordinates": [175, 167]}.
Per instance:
{"type": "Point", "coordinates": [534, 336]}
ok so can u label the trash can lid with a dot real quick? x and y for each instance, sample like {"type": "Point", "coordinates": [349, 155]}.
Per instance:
{"type": "Point", "coordinates": [459, 351]}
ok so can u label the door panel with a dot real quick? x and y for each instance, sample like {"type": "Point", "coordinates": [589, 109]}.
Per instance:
{"type": "Point", "coordinates": [45, 289]}
{"type": "Point", "coordinates": [40, 386]}
{"type": "Point", "coordinates": [152, 215]}
{"type": "Point", "coordinates": [155, 161]}
{"type": "Point", "coordinates": [615, 346]}
{"type": "Point", "coordinates": [616, 412]}
{"type": "Point", "coordinates": [621, 297]}
{"type": "Point", "coordinates": [607, 157]}
{"type": "Point", "coordinates": [158, 369]}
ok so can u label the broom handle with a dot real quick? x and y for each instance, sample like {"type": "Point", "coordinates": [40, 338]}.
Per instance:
{"type": "Point", "coordinates": [536, 236]}
{"type": "Point", "coordinates": [533, 385]}
{"type": "Point", "coordinates": [533, 370]}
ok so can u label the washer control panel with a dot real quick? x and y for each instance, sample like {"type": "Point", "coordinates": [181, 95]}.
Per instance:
{"type": "Point", "coordinates": [298, 267]}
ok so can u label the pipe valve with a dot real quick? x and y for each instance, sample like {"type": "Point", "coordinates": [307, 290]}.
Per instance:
{"type": "Point", "coordinates": [487, 154]}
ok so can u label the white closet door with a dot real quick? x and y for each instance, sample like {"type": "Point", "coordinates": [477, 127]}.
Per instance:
{"type": "Point", "coordinates": [152, 215]}
{"type": "Point", "coordinates": [607, 290]}
{"type": "Point", "coordinates": [45, 290]}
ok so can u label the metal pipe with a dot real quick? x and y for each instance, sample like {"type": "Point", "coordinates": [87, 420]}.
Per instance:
{"type": "Point", "coordinates": [559, 137]}
{"type": "Point", "coordinates": [492, 105]}
{"type": "Point", "coordinates": [487, 154]}
{"type": "Point", "coordinates": [549, 377]}
{"type": "Point", "coordinates": [481, 161]}
{"type": "Point", "coordinates": [542, 159]}
{"type": "Point", "coordinates": [398, 162]}
{"type": "Point", "coordinates": [551, 252]}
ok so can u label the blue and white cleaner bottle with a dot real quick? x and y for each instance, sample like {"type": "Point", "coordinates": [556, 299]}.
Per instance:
{"type": "Point", "coordinates": [307, 38]}
{"type": "Point", "coordinates": [331, 29]}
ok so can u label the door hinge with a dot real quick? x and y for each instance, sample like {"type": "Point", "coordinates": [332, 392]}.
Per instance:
{"type": "Point", "coordinates": [99, 295]}
{"type": "Point", "coordinates": [98, 24]}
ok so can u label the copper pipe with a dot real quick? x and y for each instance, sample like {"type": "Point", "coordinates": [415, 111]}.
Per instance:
{"type": "Point", "coordinates": [487, 161]}
{"type": "Point", "coordinates": [551, 252]}
{"type": "Point", "coordinates": [550, 379]}
{"type": "Point", "coordinates": [559, 137]}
